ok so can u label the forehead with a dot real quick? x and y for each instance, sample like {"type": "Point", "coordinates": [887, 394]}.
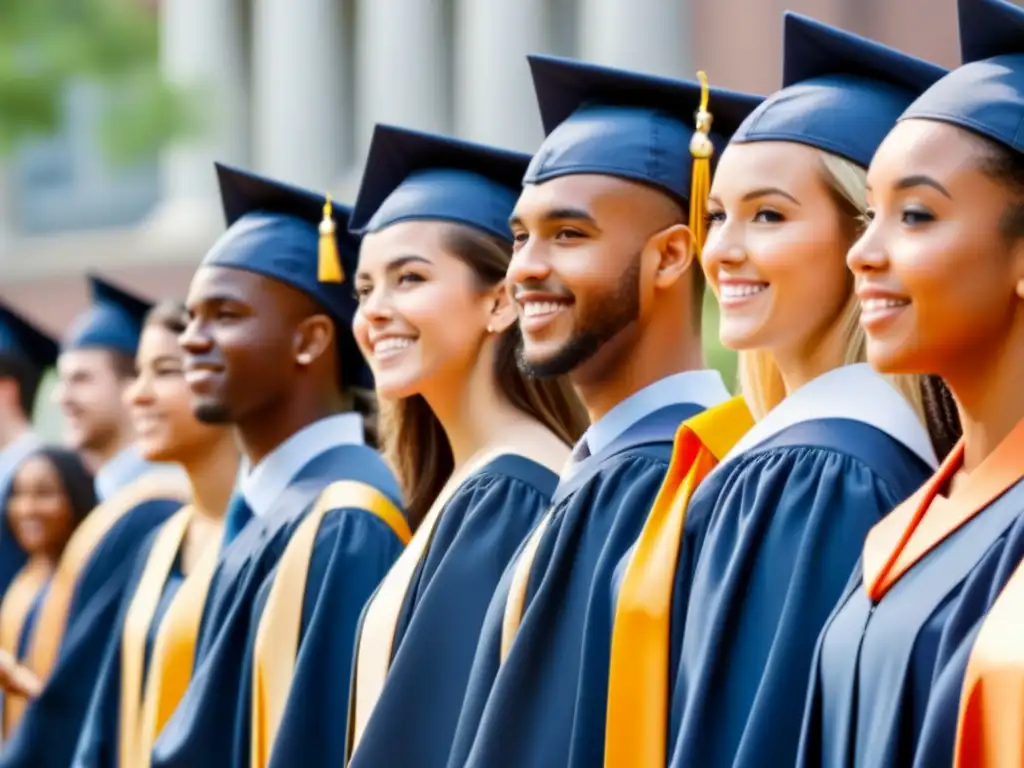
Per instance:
{"type": "Point", "coordinates": [78, 361]}
{"type": "Point", "coordinates": [36, 466]}
{"type": "Point", "coordinates": [215, 283]}
{"type": "Point", "coordinates": [590, 193]}
{"type": "Point", "coordinates": [757, 164]}
{"type": "Point", "coordinates": [157, 341]}
{"type": "Point", "coordinates": [925, 147]}
{"type": "Point", "coordinates": [406, 238]}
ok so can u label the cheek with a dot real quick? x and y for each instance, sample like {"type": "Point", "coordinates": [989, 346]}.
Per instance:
{"type": "Point", "coordinates": [361, 332]}
{"type": "Point", "coordinates": [806, 268]}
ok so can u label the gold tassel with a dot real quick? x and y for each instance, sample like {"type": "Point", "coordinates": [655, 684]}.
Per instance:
{"type": "Point", "coordinates": [702, 149]}
{"type": "Point", "coordinates": [329, 263]}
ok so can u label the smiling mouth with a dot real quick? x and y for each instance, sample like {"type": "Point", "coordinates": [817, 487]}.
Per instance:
{"type": "Point", "coordinates": [385, 349]}
{"type": "Point", "coordinates": [731, 294]}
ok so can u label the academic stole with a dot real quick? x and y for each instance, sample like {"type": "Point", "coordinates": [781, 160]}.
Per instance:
{"type": "Point", "coordinates": [638, 684]}
{"type": "Point", "coordinates": [173, 658]}
{"type": "Point", "coordinates": [990, 727]}
{"type": "Point", "coordinates": [138, 621]}
{"type": "Point", "coordinates": [17, 604]}
{"type": "Point", "coordinates": [53, 613]}
{"type": "Point", "coordinates": [277, 636]}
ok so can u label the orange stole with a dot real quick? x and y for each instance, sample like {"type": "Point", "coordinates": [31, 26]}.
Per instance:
{"type": "Point", "coordinates": [53, 614]}
{"type": "Point", "coordinates": [277, 637]}
{"type": "Point", "coordinates": [638, 684]}
{"type": "Point", "coordinates": [174, 650]}
{"type": "Point", "coordinates": [17, 603]}
{"type": "Point", "coordinates": [990, 731]}
{"type": "Point", "coordinates": [137, 624]}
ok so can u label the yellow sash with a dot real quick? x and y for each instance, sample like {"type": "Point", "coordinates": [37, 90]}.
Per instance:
{"type": "Point", "coordinates": [516, 602]}
{"type": "Point", "coordinates": [17, 604]}
{"type": "Point", "coordinates": [174, 650]}
{"type": "Point", "coordinates": [990, 728]}
{"type": "Point", "coordinates": [277, 637]}
{"type": "Point", "coordinates": [639, 670]}
{"type": "Point", "coordinates": [137, 624]}
{"type": "Point", "coordinates": [53, 613]}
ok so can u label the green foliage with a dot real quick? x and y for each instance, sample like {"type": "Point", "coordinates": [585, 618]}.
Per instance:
{"type": "Point", "coordinates": [48, 45]}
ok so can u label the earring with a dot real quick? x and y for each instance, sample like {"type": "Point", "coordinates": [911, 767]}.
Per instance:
{"type": "Point", "coordinates": [490, 328]}
{"type": "Point", "coordinates": [304, 358]}
{"type": "Point", "coordinates": [1020, 289]}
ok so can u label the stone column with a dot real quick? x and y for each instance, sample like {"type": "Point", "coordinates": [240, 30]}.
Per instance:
{"type": "Point", "coordinates": [652, 36]}
{"type": "Point", "coordinates": [299, 90]}
{"type": "Point", "coordinates": [494, 97]}
{"type": "Point", "coordinates": [202, 52]}
{"type": "Point", "coordinates": [403, 67]}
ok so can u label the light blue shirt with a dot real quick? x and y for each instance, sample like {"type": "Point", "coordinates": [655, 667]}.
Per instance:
{"type": "Point", "coordinates": [124, 468]}
{"type": "Point", "coordinates": [703, 388]}
{"type": "Point", "coordinates": [264, 483]}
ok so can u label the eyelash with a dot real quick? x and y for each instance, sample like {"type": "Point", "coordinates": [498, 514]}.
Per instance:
{"type": "Point", "coordinates": [774, 217]}
{"type": "Point", "coordinates": [922, 217]}
{"type": "Point", "coordinates": [362, 291]}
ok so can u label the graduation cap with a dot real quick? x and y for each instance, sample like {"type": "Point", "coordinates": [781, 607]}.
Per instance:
{"type": "Point", "coordinates": [411, 175]}
{"type": "Point", "coordinates": [840, 92]}
{"type": "Point", "coordinates": [114, 321]}
{"type": "Point", "coordinates": [986, 94]}
{"type": "Point", "coordinates": [296, 237]}
{"type": "Point", "coordinates": [613, 122]}
{"type": "Point", "coordinates": [20, 338]}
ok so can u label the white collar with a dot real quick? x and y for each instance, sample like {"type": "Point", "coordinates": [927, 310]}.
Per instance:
{"type": "Point", "coordinates": [854, 392]}
{"type": "Point", "coordinates": [265, 482]}
{"type": "Point", "coordinates": [704, 388]}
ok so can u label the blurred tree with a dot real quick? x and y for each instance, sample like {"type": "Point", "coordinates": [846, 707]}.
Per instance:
{"type": "Point", "coordinates": [46, 45]}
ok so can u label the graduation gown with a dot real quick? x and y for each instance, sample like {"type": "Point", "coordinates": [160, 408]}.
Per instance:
{"type": "Point", "coordinates": [111, 730]}
{"type": "Point", "coordinates": [634, 731]}
{"type": "Point", "coordinates": [781, 522]}
{"type": "Point", "coordinates": [889, 666]}
{"type": "Point", "coordinates": [429, 620]}
{"type": "Point", "coordinates": [550, 617]}
{"type": "Point", "coordinates": [18, 614]}
{"type": "Point", "coordinates": [203, 729]}
{"type": "Point", "coordinates": [78, 615]}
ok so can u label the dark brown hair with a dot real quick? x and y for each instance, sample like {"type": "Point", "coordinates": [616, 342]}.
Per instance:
{"type": "Point", "coordinates": [169, 315]}
{"type": "Point", "coordinates": [414, 441]}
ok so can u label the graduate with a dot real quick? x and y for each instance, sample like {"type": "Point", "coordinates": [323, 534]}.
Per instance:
{"type": "Point", "coordinates": [115, 732]}
{"type": "Point", "coordinates": [775, 529]}
{"type": "Point", "coordinates": [478, 444]}
{"type": "Point", "coordinates": [52, 491]}
{"type": "Point", "coordinates": [95, 366]}
{"type": "Point", "coordinates": [268, 349]}
{"type": "Point", "coordinates": [941, 280]}
{"type": "Point", "coordinates": [608, 293]}
{"type": "Point", "coordinates": [79, 611]}
{"type": "Point", "coordinates": [25, 354]}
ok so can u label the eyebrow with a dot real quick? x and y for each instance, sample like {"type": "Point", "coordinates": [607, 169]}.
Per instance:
{"type": "Point", "coordinates": [766, 191]}
{"type": "Point", "coordinates": [558, 214]}
{"type": "Point", "coordinates": [396, 264]}
{"type": "Point", "coordinates": [920, 180]}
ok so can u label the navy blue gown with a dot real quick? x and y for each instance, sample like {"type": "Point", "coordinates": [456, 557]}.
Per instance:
{"type": "Point", "coordinates": [203, 731]}
{"type": "Point", "coordinates": [778, 528]}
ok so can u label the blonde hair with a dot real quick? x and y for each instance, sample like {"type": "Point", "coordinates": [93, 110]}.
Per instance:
{"type": "Point", "coordinates": [759, 376]}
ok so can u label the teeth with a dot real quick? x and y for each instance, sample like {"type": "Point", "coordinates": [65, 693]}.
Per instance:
{"type": "Point", "coordinates": [536, 308]}
{"type": "Point", "coordinates": [740, 290]}
{"type": "Point", "coordinates": [876, 305]}
{"type": "Point", "coordinates": [390, 345]}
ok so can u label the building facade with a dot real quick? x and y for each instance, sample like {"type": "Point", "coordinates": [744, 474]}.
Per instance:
{"type": "Point", "coordinates": [292, 88]}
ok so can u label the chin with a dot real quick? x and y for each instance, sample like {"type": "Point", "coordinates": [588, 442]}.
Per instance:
{"type": "Point", "coordinates": [212, 412]}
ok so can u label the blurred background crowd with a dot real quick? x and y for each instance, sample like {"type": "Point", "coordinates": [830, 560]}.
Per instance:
{"type": "Point", "coordinates": [112, 111]}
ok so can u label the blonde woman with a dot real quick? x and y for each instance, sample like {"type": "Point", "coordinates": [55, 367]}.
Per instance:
{"type": "Point", "coordinates": [776, 530]}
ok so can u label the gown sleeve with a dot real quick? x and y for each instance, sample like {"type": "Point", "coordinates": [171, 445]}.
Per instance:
{"type": "Point", "coordinates": [480, 529]}
{"type": "Point", "coordinates": [782, 531]}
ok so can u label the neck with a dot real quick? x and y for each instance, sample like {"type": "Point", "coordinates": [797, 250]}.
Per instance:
{"type": "Point", "coordinates": [820, 355]}
{"type": "Point", "coordinates": [987, 390]}
{"type": "Point", "coordinates": [43, 561]}
{"type": "Point", "coordinates": [636, 358]}
{"type": "Point", "coordinates": [261, 432]}
{"type": "Point", "coordinates": [458, 406]}
{"type": "Point", "coordinates": [14, 427]}
{"type": "Point", "coordinates": [104, 453]}
{"type": "Point", "coordinates": [212, 473]}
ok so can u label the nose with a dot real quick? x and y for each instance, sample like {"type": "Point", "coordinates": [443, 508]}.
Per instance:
{"type": "Point", "coordinates": [139, 392]}
{"type": "Point", "coordinates": [867, 254]}
{"type": "Point", "coordinates": [375, 306]}
{"type": "Point", "coordinates": [529, 264]}
{"type": "Point", "coordinates": [194, 339]}
{"type": "Point", "coordinates": [724, 246]}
